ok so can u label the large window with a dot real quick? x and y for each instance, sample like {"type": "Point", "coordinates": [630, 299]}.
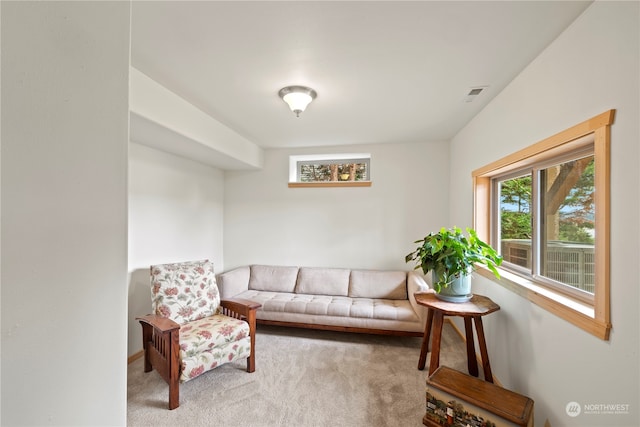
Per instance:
{"type": "Point", "coordinates": [545, 219]}
{"type": "Point", "coordinates": [546, 210]}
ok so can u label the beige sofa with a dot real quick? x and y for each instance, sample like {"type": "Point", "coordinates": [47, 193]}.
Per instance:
{"type": "Point", "coordinates": [369, 301]}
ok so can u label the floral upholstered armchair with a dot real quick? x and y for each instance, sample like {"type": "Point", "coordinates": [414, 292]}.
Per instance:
{"type": "Point", "coordinates": [191, 330]}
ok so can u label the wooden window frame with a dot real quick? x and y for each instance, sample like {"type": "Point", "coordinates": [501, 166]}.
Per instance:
{"type": "Point", "coordinates": [595, 318]}
{"type": "Point", "coordinates": [296, 160]}
{"type": "Point", "coordinates": [330, 184]}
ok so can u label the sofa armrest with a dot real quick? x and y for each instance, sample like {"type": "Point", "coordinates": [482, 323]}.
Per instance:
{"type": "Point", "coordinates": [416, 283]}
{"type": "Point", "coordinates": [233, 282]}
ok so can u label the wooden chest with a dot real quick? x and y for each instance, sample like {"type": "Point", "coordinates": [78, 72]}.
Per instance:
{"type": "Point", "coordinates": [457, 399]}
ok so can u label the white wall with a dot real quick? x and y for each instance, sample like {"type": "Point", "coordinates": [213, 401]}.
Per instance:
{"type": "Point", "coordinates": [163, 120]}
{"type": "Point", "coordinates": [592, 67]}
{"type": "Point", "coordinates": [175, 214]}
{"type": "Point", "coordinates": [358, 227]}
{"type": "Point", "coordinates": [64, 212]}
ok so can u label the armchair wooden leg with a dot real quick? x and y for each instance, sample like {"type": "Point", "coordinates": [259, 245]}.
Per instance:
{"type": "Point", "coordinates": [251, 360]}
{"type": "Point", "coordinates": [174, 371]}
{"type": "Point", "coordinates": [147, 332]}
{"type": "Point", "coordinates": [174, 394]}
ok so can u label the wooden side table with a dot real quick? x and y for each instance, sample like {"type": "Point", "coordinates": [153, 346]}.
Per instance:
{"type": "Point", "coordinates": [475, 308]}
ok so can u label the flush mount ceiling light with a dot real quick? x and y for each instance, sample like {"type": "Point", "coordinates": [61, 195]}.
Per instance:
{"type": "Point", "coordinates": [297, 97]}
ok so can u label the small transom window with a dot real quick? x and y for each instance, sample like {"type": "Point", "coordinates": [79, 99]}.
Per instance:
{"type": "Point", "coordinates": [330, 170]}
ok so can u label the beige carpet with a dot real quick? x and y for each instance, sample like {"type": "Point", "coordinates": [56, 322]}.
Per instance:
{"type": "Point", "coordinates": [302, 378]}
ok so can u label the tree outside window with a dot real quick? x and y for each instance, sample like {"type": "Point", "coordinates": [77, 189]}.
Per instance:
{"type": "Point", "coordinates": [566, 209]}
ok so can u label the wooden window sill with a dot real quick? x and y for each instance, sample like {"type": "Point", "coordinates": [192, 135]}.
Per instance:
{"type": "Point", "coordinates": [330, 184]}
{"type": "Point", "coordinates": [571, 310]}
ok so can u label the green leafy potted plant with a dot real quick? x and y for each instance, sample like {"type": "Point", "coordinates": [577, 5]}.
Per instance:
{"type": "Point", "coordinates": [451, 258]}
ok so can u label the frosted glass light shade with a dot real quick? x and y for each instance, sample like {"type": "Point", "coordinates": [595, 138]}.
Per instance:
{"type": "Point", "coordinates": [297, 97]}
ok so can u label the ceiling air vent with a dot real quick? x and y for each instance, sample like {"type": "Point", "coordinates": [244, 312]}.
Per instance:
{"type": "Point", "coordinates": [474, 92]}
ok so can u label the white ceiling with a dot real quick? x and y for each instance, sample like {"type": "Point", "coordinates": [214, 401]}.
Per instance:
{"type": "Point", "coordinates": [384, 71]}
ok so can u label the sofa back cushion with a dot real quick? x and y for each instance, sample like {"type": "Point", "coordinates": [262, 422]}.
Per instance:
{"type": "Point", "coordinates": [378, 284]}
{"type": "Point", "coordinates": [323, 281]}
{"type": "Point", "coordinates": [273, 278]}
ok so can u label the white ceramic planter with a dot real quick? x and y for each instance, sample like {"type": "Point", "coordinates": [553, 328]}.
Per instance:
{"type": "Point", "coordinates": [457, 291]}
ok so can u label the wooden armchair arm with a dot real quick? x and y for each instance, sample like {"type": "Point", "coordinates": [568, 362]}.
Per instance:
{"type": "Point", "coordinates": [241, 306]}
{"type": "Point", "coordinates": [244, 310]}
{"type": "Point", "coordinates": [160, 324]}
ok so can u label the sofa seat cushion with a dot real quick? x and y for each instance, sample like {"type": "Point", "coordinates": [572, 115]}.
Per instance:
{"type": "Point", "coordinates": [325, 305]}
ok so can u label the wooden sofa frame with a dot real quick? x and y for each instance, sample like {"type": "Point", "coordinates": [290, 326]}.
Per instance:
{"type": "Point", "coordinates": [351, 329]}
